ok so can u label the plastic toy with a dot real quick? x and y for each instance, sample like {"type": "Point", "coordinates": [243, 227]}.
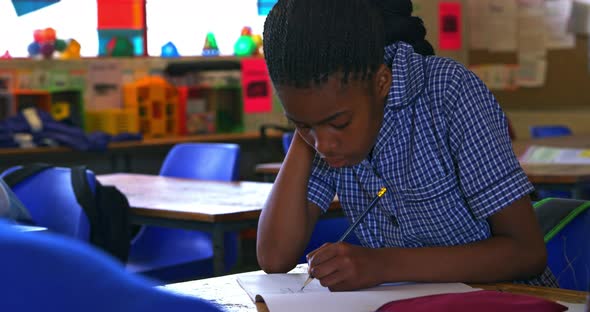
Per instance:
{"type": "Point", "coordinates": [120, 47]}
{"type": "Point", "coordinates": [245, 46]}
{"type": "Point", "coordinates": [45, 45]}
{"type": "Point", "coordinates": [72, 50]}
{"type": "Point", "coordinates": [169, 50]}
{"type": "Point", "coordinates": [248, 44]}
{"type": "Point", "coordinates": [6, 56]}
{"type": "Point", "coordinates": [210, 48]}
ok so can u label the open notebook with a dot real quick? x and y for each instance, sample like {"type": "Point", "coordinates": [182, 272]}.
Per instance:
{"type": "Point", "coordinates": [281, 293]}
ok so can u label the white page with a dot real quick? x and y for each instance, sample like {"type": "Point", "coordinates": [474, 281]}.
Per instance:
{"type": "Point", "coordinates": [503, 25]}
{"type": "Point", "coordinates": [557, 14]}
{"type": "Point", "coordinates": [555, 155]}
{"type": "Point", "coordinates": [573, 307]}
{"type": "Point", "coordinates": [478, 24]}
{"type": "Point", "coordinates": [281, 293]}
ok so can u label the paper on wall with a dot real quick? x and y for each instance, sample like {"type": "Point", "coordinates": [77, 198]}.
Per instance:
{"type": "Point", "coordinates": [557, 16]}
{"type": "Point", "coordinates": [531, 29]}
{"type": "Point", "coordinates": [478, 24]}
{"type": "Point", "coordinates": [503, 25]}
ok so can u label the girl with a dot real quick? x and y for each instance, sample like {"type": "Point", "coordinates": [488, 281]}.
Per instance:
{"type": "Point", "coordinates": [374, 109]}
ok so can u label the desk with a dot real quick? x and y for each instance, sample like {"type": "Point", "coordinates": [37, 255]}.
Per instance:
{"type": "Point", "coordinates": [226, 292]}
{"type": "Point", "coordinates": [543, 175]}
{"type": "Point", "coordinates": [216, 207]}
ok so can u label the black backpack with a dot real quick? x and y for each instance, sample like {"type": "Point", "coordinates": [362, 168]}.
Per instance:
{"type": "Point", "coordinates": [107, 208]}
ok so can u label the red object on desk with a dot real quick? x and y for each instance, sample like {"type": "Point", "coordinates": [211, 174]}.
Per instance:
{"type": "Point", "coordinates": [481, 301]}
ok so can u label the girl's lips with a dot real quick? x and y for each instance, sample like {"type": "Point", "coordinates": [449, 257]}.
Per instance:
{"type": "Point", "coordinates": [335, 162]}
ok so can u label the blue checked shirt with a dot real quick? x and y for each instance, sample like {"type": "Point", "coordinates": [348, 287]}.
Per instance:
{"type": "Point", "coordinates": [444, 154]}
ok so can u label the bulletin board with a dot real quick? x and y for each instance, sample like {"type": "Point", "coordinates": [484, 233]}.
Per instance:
{"type": "Point", "coordinates": [567, 84]}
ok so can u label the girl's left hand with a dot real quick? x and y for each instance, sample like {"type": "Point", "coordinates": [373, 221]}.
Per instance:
{"type": "Point", "coordinates": [342, 266]}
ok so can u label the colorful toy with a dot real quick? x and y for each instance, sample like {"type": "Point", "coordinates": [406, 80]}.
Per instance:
{"type": "Point", "coordinates": [210, 48]}
{"type": "Point", "coordinates": [45, 44]}
{"type": "Point", "coordinates": [245, 46]}
{"type": "Point", "coordinates": [120, 47]}
{"type": "Point", "coordinates": [248, 44]}
{"type": "Point", "coordinates": [72, 50]}
{"type": "Point", "coordinates": [156, 103]}
{"type": "Point", "coordinates": [6, 56]}
{"type": "Point", "coordinates": [169, 50]}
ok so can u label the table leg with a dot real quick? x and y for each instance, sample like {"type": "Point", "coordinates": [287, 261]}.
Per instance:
{"type": "Point", "coordinates": [218, 250]}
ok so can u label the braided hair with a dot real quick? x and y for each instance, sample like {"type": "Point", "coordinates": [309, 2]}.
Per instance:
{"type": "Point", "coordinates": [306, 41]}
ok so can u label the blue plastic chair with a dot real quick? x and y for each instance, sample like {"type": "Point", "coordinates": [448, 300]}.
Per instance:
{"type": "Point", "coordinates": [546, 131]}
{"type": "Point", "coordinates": [566, 226]}
{"type": "Point", "coordinates": [173, 254]}
{"type": "Point", "coordinates": [51, 202]}
{"type": "Point", "coordinates": [287, 138]}
{"type": "Point", "coordinates": [328, 231]}
{"type": "Point", "coordinates": [49, 272]}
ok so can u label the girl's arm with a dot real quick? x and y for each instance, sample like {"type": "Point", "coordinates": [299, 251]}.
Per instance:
{"type": "Point", "coordinates": [287, 219]}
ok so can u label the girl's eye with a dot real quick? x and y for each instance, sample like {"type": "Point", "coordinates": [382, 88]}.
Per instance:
{"type": "Point", "coordinates": [341, 125]}
{"type": "Point", "coordinates": [303, 128]}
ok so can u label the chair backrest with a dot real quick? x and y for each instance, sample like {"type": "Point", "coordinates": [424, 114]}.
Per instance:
{"type": "Point", "coordinates": [47, 272]}
{"type": "Point", "coordinates": [546, 131]}
{"type": "Point", "coordinates": [50, 199]}
{"type": "Point", "coordinates": [204, 161]}
{"type": "Point", "coordinates": [287, 138]}
{"type": "Point", "coordinates": [566, 226]}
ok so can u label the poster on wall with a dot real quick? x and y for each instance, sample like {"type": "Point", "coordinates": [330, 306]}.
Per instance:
{"type": "Point", "coordinates": [450, 26]}
{"type": "Point", "coordinates": [256, 87]}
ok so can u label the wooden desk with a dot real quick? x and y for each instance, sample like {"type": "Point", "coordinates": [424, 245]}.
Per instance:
{"type": "Point", "coordinates": [216, 207]}
{"type": "Point", "coordinates": [543, 175]}
{"type": "Point", "coordinates": [226, 292]}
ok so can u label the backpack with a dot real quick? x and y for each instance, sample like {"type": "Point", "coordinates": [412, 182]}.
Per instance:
{"type": "Point", "coordinates": [107, 208]}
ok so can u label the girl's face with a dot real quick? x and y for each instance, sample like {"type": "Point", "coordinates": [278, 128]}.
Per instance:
{"type": "Point", "coordinates": [341, 122]}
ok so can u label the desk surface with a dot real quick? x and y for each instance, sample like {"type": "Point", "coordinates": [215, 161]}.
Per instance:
{"type": "Point", "coordinates": [186, 199]}
{"type": "Point", "coordinates": [537, 173]}
{"type": "Point", "coordinates": [226, 292]}
{"type": "Point", "coordinates": [150, 142]}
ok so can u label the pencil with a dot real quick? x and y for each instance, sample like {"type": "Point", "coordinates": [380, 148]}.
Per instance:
{"type": "Point", "coordinates": [353, 226]}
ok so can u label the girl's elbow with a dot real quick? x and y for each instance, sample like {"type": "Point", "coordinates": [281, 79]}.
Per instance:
{"type": "Point", "coordinates": [537, 260]}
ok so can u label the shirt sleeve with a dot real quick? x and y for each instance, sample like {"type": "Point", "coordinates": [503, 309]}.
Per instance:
{"type": "Point", "coordinates": [490, 175]}
{"type": "Point", "coordinates": [320, 188]}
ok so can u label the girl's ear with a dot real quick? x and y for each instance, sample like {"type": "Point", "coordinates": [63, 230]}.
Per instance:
{"type": "Point", "coordinates": [382, 81]}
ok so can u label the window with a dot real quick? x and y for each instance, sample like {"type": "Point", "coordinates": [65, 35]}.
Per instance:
{"type": "Point", "coordinates": [75, 19]}
{"type": "Point", "coordinates": [186, 24]}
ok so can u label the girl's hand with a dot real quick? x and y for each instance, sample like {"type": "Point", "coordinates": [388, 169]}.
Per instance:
{"type": "Point", "coordinates": [342, 266]}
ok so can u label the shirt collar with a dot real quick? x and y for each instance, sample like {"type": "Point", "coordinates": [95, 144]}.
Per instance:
{"type": "Point", "coordinates": [408, 81]}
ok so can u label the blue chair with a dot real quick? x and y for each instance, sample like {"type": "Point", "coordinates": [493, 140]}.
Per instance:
{"type": "Point", "coordinates": [170, 254]}
{"type": "Point", "coordinates": [546, 131]}
{"type": "Point", "coordinates": [287, 138]}
{"type": "Point", "coordinates": [328, 231]}
{"type": "Point", "coordinates": [566, 226]}
{"type": "Point", "coordinates": [49, 272]}
{"type": "Point", "coordinates": [51, 202]}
